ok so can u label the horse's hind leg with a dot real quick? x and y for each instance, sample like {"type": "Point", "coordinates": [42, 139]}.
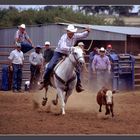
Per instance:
{"type": "Point", "coordinates": [45, 99]}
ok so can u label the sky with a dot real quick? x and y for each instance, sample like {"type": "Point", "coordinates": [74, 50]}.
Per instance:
{"type": "Point", "coordinates": [135, 9]}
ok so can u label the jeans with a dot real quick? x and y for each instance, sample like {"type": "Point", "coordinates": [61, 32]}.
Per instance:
{"type": "Point", "coordinates": [54, 60]}
{"type": "Point", "coordinates": [35, 75]}
{"type": "Point", "coordinates": [17, 76]}
{"type": "Point", "coordinates": [56, 57]}
{"type": "Point", "coordinates": [78, 73]}
{"type": "Point", "coordinates": [102, 79]}
{"type": "Point", "coordinates": [25, 47]}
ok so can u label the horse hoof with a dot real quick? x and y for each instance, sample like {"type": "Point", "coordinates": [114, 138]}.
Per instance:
{"type": "Point", "coordinates": [44, 101]}
{"type": "Point", "coordinates": [54, 102]}
{"type": "Point", "coordinates": [63, 113]}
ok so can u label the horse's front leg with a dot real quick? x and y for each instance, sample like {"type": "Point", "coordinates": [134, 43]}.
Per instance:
{"type": "Point", "coordinates": [61, 97]}
{"type": "Point", "coordinates": [55, 102]}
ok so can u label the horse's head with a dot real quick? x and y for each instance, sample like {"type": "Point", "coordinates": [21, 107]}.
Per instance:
{"type": "Point", "coordinates": [78, 55]}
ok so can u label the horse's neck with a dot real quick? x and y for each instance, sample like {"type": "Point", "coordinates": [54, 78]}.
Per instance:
{"type": "Point", "coordinates": [66, 69]}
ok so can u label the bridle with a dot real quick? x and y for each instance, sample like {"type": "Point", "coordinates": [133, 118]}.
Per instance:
{"type": "Point", "coordinates": [76, 63]}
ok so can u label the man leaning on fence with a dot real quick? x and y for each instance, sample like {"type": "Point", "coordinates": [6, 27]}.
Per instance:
{"type": "Point", "coordinates": [16, 63]}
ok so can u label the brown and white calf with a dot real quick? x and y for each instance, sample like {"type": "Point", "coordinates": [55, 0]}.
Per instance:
{"type": "Point", "coordinates": [105, 97]}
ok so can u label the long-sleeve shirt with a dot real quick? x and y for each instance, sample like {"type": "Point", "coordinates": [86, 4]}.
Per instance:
{"type": "Point", "coordinates": [36, 59]}
{"type": "Point", "coordinates": [65, 42]}
{"type": "Point", "coordinates": [101, 63]}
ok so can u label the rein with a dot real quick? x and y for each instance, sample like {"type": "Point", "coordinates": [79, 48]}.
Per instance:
{"type": "Point", "coordinates": [75, 63]}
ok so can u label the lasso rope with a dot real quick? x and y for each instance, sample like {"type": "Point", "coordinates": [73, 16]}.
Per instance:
{"type": "Point", "coordinates": [89, 46]}
{"type": "Point", "coordinates": [74, 23]}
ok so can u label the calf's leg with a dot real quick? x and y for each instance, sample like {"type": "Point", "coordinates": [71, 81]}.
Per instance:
{"type": "Point", "coordinates": [107, 110]}
{"type": "Point", "coordinates": [111, 109]}
{"type": "Point", "coordinates": [100, 109]}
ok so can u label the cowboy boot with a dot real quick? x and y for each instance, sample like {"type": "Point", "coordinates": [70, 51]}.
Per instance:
{"type": "Point", "coordinates": [79, 87]}
{"type": "Point", "coordinates": [46, 80]}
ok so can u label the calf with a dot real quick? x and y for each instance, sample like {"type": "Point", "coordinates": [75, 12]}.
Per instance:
{"type": "Point", "coordinates": [105, 97]}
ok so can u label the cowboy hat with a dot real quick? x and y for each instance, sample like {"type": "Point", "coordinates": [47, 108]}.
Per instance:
{"type": "Point", "coordinates": [22, 26]}
{"type": "Point", "coordinates": [71, 28]}
{"type": "Point", "coordinates": [47, 43]}
{"type": "Point", "coordinates": [80, 44]}
{"type": "Point", "coordinates": [102, 49]}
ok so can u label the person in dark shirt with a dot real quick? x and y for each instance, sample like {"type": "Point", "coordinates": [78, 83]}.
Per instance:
{"type": "Point", "coordinates": [48, 52]}
{"type": "Point", "coordinates": [91, 56]}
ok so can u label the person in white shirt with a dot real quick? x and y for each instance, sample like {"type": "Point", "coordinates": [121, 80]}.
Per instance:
{"type": "Point", "coordinates": [22, 37]}
{"type": "Point", "coordinates": [65, 45]}
{"type": "Point", "coordinates": [36, 63]}
{"type": "Point", "coordinates": [16, 63]}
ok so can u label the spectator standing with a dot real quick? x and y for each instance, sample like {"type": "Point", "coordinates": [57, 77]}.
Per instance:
{"type": "Point", "coordinates": [36, 63]}
{"type": "Point", "coordinates": [48, 52]}
{"type": "Point", "coordinates": [16, 63]}
{"type": "Point", "coordinates": [91, 76]}
{"type": "Point", "coordinates": [101, 66]}
{"type": "Point", "coordinates": [81, 45]}
{"type": "Point", "coordinates": [109, 50]}
{"type": "Point", "coordinates": [22, 37]}
{"type": "Point", "coordinates": [91, 56]}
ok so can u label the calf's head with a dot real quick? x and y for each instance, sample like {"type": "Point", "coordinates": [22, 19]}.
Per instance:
{"type": "Point", "coordinates": [109, 97]}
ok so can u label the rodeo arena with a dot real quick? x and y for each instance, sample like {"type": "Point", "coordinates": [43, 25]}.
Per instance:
{"type": "Point", "coordinates": [93, 90]}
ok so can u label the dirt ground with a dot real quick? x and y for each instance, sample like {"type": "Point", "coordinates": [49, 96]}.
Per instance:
{"type": "Point", "coordinates": [19, 115]}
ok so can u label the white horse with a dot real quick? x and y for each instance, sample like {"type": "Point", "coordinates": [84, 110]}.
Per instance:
{"type": "Point", "coordinates": [64, 77]}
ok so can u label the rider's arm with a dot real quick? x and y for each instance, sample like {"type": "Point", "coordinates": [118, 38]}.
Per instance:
{"type": "Point", "coordinates": [83, 34]}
